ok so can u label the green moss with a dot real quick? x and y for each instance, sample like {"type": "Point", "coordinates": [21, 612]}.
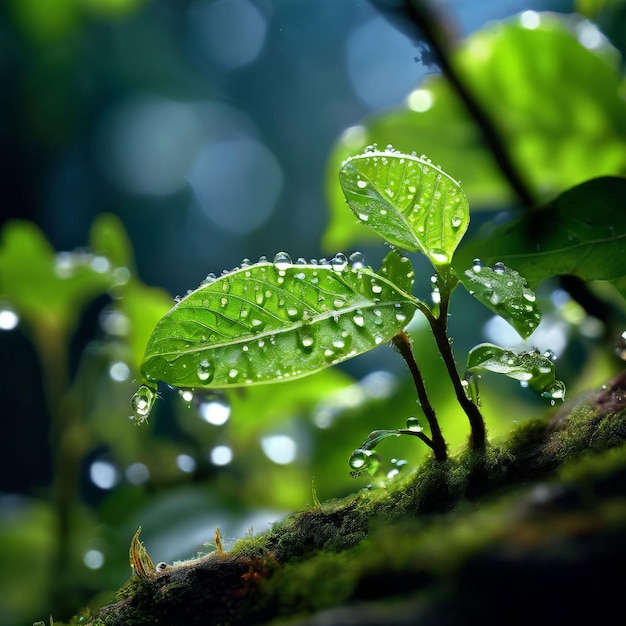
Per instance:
{"type": "Point", "coordinates": [413, 537]}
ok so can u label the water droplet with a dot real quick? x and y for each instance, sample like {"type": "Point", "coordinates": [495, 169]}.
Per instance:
{"type": "Point", "coordinates": [438, 255]}
{"type": "Point", "coordinates": [307, 341]}
{"type": "Point", "coordinates": [257, 324]}
{"type": "Point", "coordinates": [364, 217]}
{"type": "Point", "coordinates": [529, 295]}
{"type": "Point", "coordinates": [339, 303]}
{"type": "Point", "coordinates": [361, 184]}
{"type": "Point", "coordinates": [259, 296]}
{"type": "Point", "coordinates": [499, 268]}
{"type": "Point", "coordinates": [142, 401]}
{"type": "Point", "coordinates": [477, 265]}
{"type": "Point", "coordinates": [233, 373]}
{"type": "Point", "coordinates": [204, 371]}
{"type": "Point", "coordinates": [376, 288]}
{"type": "Point", "coordinates": [414, 424]}
{"type": "Point", "coordinates": [357, 261]}
{"type": "Point", "coordinates": [339, 262]}
{"type": "Point", "coordinates": [211, 278]}
{"type": "Point", "coordinates": [339, 343]}
{"type": "Point", "coordinates": [360, 458]}
{"type": "Point", "coordinates": [223, 301]}
{"type": "Point", "coordinates": [282, 261]}
{"type": "Point", "coordinates": [556, 391]}
{"type": "Point", "coordinates": [401, 317]}
{"type": "Point", "coordinates": [456, 221]}
{"type": "Point", "coordinates": [358, 319]}
{"type": "Point", "coordinates": [293, 313]}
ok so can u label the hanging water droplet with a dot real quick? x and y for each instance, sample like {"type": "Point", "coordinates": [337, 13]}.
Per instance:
{"type": "Point", "coordinates": [556, 391]}
{"type": "Point", "coordinates": [204, 371]}
{"type": "Point", "coordinates": [414, 424]}
{"type": "Point", "coordinates": [360, 458]}
{"type": "Point", "coordinates": [357, 261]}
{"type": "Point", "coordinates": [282, 261]}
{"type": "Point", "coordinates": [142, 401]}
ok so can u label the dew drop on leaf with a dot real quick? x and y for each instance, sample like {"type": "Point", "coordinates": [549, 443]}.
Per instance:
{"type": "Point", "coordinates": [414, 424]}
{"type": "Point", "coordinates": [361, 184]}
{"type": "Point", "coordinates": [456, 221]}
{"type": "Point", "coordinates": [357, 261]}
{"type": "Point", "coordinates": [439, 256]}
{"type": "Point", "coordinates": [282, 261]}
{"type": "Point", "coordinates": [205, 371]}
{"type": "Point", "coordinates": [339, 262]}
{"type": "Point", "coordinates": [358, 319]}
{"type": "Point", "coordinates": [360, 458]}
{"type": "Point", "coordinates": [477, 265]}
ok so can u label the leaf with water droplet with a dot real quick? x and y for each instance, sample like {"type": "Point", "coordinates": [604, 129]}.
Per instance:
{"type": "Point", "coordinates": [398, 269]}
{"type": "Point", "coordinates": [531, 368]}
{"type": "Point", "coordinates": [311, 317]}
{"type": "Point", "coordinates": [506, 293]}
{"type": "Point", "coordinates": [580, 233]}
{"type": "Point", "coordinates": [408, 201]}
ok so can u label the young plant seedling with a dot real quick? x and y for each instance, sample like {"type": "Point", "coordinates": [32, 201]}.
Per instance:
{"type": "Point", "coordinates": [278, 320]}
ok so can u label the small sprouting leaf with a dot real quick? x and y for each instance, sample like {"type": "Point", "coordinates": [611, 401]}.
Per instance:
{"type": "Point", "coordinates": [270, 322]}
{"type": "Point", "coordinates": [408, 201]}
{"type": "Point", "coordinates": [531, 368]}
{"type": "Point", "coordinates": [140, 561]}
{"type": "Point", "coordinates": [506, 293]}
{"type": "Point", "coordinates": [399, 270]}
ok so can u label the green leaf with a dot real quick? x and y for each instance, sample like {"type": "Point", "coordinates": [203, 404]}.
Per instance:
{"type": "Point", "coordinates": [556, 102]}
{"type": "Point", "coordinates": [581, 233]}
{"type": "Point", "coordinates": [530, 368]}
{"type": "Point", "coordinates": [46, 289]}
{"type": "Point", "coordinates": [399, 270]}
{"type": "Point", "coordinates": [506, 293]}
{"type": "Point", "coordinates": [408, 201]}
{"type": "Point", "coordinates": [270, 322]}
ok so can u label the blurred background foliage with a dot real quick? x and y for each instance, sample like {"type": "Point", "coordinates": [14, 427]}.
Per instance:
{"type": "Point", "coordinates": [150, 142]}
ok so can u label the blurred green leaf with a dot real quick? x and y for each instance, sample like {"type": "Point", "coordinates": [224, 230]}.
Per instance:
{"type": "Point", "coordinates": [506, 293]}
{"type": "Point", "coordinates": [530, 368]}
{"type": "Point", "coordinates": [141, 306]}
{"type": "Point", "coordinates": [556, 102]}
{"type": "Point", "coordinates": [581, 233]}
{"type": "Point", "coordinates": [269, 322]}
{"type": "Point", "coordinates": [408, 201]}
{"type": "Point", "coordinates": [48, 290]}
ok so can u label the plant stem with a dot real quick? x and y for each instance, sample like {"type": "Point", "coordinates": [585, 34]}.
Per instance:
{"type": "Point", "coordinates": [403, 344]}
{"type": "Point", "coordinates": [439, 326]}
{"type": "Point", "coordinates": [431, 30]}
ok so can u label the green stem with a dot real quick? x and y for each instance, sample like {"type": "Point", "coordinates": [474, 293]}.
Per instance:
{"type": "Point", "coordinates": [403, 344]}
{"type": "Point", "coordinates": [439, 326]}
